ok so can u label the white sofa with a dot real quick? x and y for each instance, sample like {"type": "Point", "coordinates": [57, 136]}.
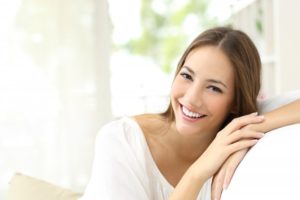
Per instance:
{"type": "Point", "coordinates": [271, 169]}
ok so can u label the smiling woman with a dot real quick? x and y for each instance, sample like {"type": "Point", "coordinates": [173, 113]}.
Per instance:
{"type": "Point", "coordinates": [175, 154]}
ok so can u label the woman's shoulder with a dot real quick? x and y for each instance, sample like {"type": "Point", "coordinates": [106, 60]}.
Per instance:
{"type": "Point", "coordinates": [116, 128]}
{"type": "Point", "coordinates": [127, 131]}
{"type": "Point", "coordinates": [132, 131]}
{"type": "Point", "coordinates": [151, 124]}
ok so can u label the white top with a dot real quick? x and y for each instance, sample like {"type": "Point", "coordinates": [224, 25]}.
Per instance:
{"type": "Point", "coordinates": [124, 168]}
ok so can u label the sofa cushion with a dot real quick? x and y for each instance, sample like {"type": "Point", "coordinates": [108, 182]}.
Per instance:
{"type": "Point", "coordinates": [278, 101]}
{"type": "Point", "coordinates": [270, 170]}
{"type": "Point", "coordinates": [23, 187]}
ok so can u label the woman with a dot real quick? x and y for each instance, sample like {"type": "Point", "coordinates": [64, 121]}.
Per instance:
{"type": "Point", "coordinates": [174, 155]}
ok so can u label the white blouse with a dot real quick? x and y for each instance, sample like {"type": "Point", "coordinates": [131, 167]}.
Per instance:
{"type": "Point", "coordinates": [124, 168]}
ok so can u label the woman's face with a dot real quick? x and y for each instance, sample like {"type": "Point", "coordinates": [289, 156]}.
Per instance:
{"type": "Point", "coordinates": [202, 94]}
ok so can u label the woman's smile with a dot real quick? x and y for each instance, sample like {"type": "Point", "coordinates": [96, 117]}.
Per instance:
{"type": "Point", "coordinates": [190, 115]}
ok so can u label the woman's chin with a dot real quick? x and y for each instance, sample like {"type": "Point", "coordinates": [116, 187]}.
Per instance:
{"type": "Point", "coordinates": [186, 130]}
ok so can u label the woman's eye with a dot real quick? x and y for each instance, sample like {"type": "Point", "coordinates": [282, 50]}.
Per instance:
{"type": "Point", "coordinates": [186, 76]}
{"type": "Point", "coordinates": [215, 89]}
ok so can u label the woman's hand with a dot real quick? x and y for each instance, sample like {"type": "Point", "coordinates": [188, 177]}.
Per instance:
{"type": "Point", "coordinates": [223, 177]}
{"type": "Point", "coordinates": [228, 141]}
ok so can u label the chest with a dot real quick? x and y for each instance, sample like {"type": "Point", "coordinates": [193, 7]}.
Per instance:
{"type": "Point", "coordinates": [169, 165]}
{"type": "Point", "coordinates": [172, 171]}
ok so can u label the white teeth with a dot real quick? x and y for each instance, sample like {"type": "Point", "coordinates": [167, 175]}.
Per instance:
{"type": "Point", "coordinates": [190, 114]}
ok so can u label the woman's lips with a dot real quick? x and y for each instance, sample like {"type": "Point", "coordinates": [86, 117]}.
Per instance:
{"type": "Point", "coordinates": [189, 115]}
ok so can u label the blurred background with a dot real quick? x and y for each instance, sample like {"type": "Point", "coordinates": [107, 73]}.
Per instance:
{"type": "Point", "coordinates": [67, 67]}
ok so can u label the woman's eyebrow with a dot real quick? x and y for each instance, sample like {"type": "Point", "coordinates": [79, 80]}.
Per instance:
{"type": "Point", "coordinates": [217, 81]}
{"type": "Point", "coordinates": [209, 80]}
{"type": "Point", "coordinates": [189, 69]}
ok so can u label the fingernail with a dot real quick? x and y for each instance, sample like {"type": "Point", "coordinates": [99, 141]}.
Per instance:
{"type": "Point", "coordinates": [261, 117]}
{"type": "Point", "coordinates": [225, 187]}
{"type": "Point", "coordinates": [254, 114]}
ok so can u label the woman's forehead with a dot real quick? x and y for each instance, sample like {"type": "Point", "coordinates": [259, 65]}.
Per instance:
{"type": "Point", "coordinates": [208, 58]}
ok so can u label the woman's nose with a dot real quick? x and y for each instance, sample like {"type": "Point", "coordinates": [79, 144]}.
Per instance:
{"type": "Point", "coordinates": [194, 96]}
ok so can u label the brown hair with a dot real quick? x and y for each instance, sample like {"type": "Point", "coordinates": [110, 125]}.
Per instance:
{"type": "Point", "coordinates": [245, 60]}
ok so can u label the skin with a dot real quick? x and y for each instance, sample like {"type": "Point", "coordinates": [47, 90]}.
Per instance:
{"type": "Point", "coordinates": [195, 146]}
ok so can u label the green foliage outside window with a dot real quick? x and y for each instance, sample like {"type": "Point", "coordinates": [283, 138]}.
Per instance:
{"type": "Point", "coordinates": [165, 34]}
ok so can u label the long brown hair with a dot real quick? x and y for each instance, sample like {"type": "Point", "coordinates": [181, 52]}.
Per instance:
{"type": "Point", "coordinates": [245, 60]}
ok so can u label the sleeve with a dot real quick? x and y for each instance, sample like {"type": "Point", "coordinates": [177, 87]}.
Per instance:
{"type": "Point", "coordinates": [116, 173]}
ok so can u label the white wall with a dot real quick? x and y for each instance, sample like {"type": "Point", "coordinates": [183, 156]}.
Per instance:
{"type": "Point", "coordinates": [278, 42]}
{"type": "Point", "coordinates": [287, 40]}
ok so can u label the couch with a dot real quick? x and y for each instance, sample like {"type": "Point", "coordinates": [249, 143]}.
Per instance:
{"type": "Point", "coordinates": [270, 170]}
{"type": "Point", "coordinates": [24, 187]}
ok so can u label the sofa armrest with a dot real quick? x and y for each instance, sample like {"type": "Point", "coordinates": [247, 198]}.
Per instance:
{"type": "Point", "coordinates": [270, 170]}
{"type": "Point", "coordinates": [24, 187]}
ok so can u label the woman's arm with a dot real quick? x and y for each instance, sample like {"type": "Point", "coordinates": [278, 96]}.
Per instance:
{"type": "Point", "coordinates": [189, 186]}
{"type": "Point", "coordinates": [229, 140]}
{"type": "Point", "coordinates": [282, 116]}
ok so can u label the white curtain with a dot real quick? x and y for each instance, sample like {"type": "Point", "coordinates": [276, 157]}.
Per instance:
{"type": "Point", "coordinates": [54, 87]}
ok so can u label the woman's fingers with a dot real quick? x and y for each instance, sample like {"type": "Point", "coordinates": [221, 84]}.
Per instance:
{"type": "Point", "coordinates": [241, 144]}
{"type": "Point", "coordinates": [217, 184]}
{"type": "Point", "coordinates": [231, 166]}
{"type": "Point", "coordinates": [240, 122]}
{"type": "Point", "coordinates": [222, 178]}
{"type": "Point", "coordinates": [243, 134]}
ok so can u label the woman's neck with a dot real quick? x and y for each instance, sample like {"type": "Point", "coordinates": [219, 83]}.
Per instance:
{"type": "Point", "coordinates": [187, 147]}
{"type": "Point", "coordinates": [164, 133]}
